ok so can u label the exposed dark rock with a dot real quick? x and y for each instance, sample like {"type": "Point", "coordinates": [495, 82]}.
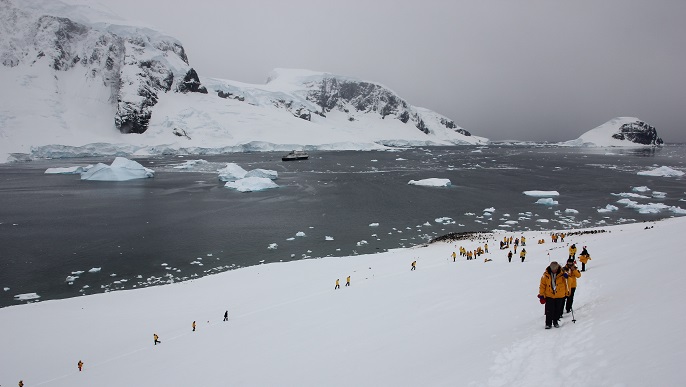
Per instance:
{"type": "Point", "coordinates": [191, 83]}
{"type": "Point", "coordinates": [181, 133]}
{"type": "Point", "coordinates": [638, 132]}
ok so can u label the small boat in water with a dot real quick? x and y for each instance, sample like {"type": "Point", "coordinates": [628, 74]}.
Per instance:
{"type": "Point", "coordinates": [295, 155]}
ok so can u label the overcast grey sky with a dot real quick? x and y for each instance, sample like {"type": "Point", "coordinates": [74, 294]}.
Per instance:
{"type": "Point", "coordinates": [527, 70]}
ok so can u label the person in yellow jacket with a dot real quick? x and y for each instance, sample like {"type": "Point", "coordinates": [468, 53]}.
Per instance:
{"type": "Point", "coordinates": [21, 383]}
{"type": "Point", "coordinates": [523, 240]}
{"type": "Point", "coordinates": [347, 281]}
{"type": "Point", "coordinates": [80, 365]}
{"type": "Point", "coordinates": [414, 265]}
{"type": "Point", "coordinates": [454, 256]}
{"type": "Point", "coordinates": [193, 326]}
{"type": "Point", "coordinates": [572, 251]}
{"type": "Point", "coordinates": [552, 292]}
{"type": "Point", "coordinates": [584, 257]}
{"type": "Point", "coordinates": [338, 285]}
{"type": "Point", "coordinates": [522, 254]}
{"type": "Point", "coordinates": [156, 338]}
{"type": "Point", "coordinates": [486, 247]}
{"type": "Point", "coordinates": [572, 274]}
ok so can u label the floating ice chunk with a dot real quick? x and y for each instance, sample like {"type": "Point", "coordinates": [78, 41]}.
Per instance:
{"type": "Point", "coordinates": [663, 171]}
{"type": "Point", "coordinates": [72, 278]}
{"type": "Point", "coordinates": [231, 172]}
{"type": "Point", "coordinates": [431, 182]}
{"type": "Point", "coordinates": [362, 242]}
{"type": "Point", "coordinates": [190, 164]}
{"type": "Point", "coordinates": [631, 195]}
{"type": "Point", "coordinates": [511, 222]}
{"type": "Point", "coordinates": [659, 195]}
{"type": "Point", "coordinates": [65, 171]}
{"type": "Point", "coordinates": [272, 246]}
{"type": "Point", "coordinates": [608, 208]}
{"type": "Point", "coordinates": [642, 188]}
{"type": "Point", "coordinates": [290, 239]}
{"type": "Point", "coordinates": [571, 211]}
{"type": "Point", "coordinates": [547, 201]}
{"type": "Point", "coordinates": [251, 184]}
{"type": "Point", "coordinates": [373, 225]}
{"type": "Point", "coordinates": [400, 159]}
{"type": "Point", "coordinates": [444, 220]}
{"type": "Point", "coordinates": [26, 296]}
{"type": "Point", "coordinates": [121, 169]}
{"type": "Point", "coordinates": [94, 270]}
{"type": "Point", "coordinates": [490, 209]}
{"type": "Point", "coordinates": [542, 220]}
{"type": "Point", "coordinates": [78, 272]}
{"type": "Point", "coordinates": [328, 238]}
{"type": "Point", "coordinates": [541, 193]}
{"type": "Point", "coordinates": [425, 224]}
{"type": "Point", "coordinates": [5, 289]}
{"type": "Point", "coordinates": [300, 234]}
{"type": "Point", "coordinates": [266, 173]}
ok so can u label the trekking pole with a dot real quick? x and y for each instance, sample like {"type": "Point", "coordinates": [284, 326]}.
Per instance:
{"type": "Point", "coordinates": [573, 319]}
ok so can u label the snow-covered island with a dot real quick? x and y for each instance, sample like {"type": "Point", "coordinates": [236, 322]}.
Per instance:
{"type": "Point", "coordinates": [285, 315]}
{"type": "Point", "coordinates": [620, 131]}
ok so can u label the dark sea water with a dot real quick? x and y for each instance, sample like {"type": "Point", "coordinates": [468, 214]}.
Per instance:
{"type": "Point", "coordinates": [185, 224]}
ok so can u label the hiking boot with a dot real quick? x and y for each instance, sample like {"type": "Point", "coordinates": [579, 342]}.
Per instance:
{"type": "Point", "coordinates": [547, 327]}
{"type": "Point", "coordinates": [556, 325]}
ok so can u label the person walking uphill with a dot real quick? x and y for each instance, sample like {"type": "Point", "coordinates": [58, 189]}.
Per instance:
{"type": "Point", "coordinates": [552, 292]}
{"type": "Point", "coordinates": [338, 285]}
{"type": "Point", "coordinates": [80, 365]}
{"type": "Point", "coordinates": [156, 338]}
{"type": "Point", "coordinates": [522, 254]}
{"type": "Point", "coordinates": [226, 316]}
{"type": "Point", "coordinates": [347, 281]}
{"type": "Point", "coordinates": [414, 265]}
{"type": "Point", "coordinates": [572, 251]}
{"type": "Point", "coordinates": [193, 326]}
{"type": "Point", "coordinates": [572, 275]}
{"type": "Point", "coordinates": [584, 257]}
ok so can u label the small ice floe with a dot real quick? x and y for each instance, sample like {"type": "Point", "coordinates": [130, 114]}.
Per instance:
{"type": "Point", "coordinates": [431, 182]}
{"type": "Point", "coordinates": [608, 208]}
{"type": "Point", "coordinates": [26, 296]}
{"type": "Point", "coordinates": [78, 272]}
{"type": "Point", "coordinates": [489, 209]}
{"type": "Point", "coordinates": [571, 211]}
{"type": "Point", "coordinates": [469, 213]}
{"type": "Point", "coordinates": [113, 275]}
{"type": "Point", "coordinates": [642, 188]}
{"type": "Point", "coordinates": [251, 184]}
{"type": "Point", "coordinates": [547, 201]}
{"type": "Point", "coordinates": [651, 208]}
{"type": "Point", "coordinates": [425, 224]}
{"type": "Point", "coordinates": [328, 238]}
{"type": "Point", "coordinates": [121, 169]}
{"type": "Point", "coordinates": [300, 234]}
{"type": "Point", "coordinates": [663, 171]}
{"type": "Point", "coordinates": [659, 195]}
{"type": "Point", "coordinates": [66, 170]}
{"type": "Point", "coordinates": [164, 264]}
{"type": "Point", "coordinates": [544, 194]}
{"type": "Point", "coordinates": [400, 159]}
{"type": "Point", "coordinates": [542, 220]}
{"type": "Point", "coordinates": [362, 242]}
{"type": "Point", "coordinates": [95, 270]}
{"type": "Point", "coordinates": [264, 173]}
{"type": "Point", "coordinates": [631, 195]}
{"type": "Point", "coordinates": [231, 172]}
{"type": "Point", "coordinates": [511, 222]}
{"type": "Point", "coordinates": [71, 278]}
{"type": "Point", "coordinates": [272, 246]}
{"type": "Point", "coordinates": [209, 255]}
{"type": "Point", "coordinates": [373, 225]}
{"type": "Point", "coordinates": [290, 239]}
{"type": "Point", "coordinates": [444, 220]}
{"type": "Point", "coordinates": [190, 164]}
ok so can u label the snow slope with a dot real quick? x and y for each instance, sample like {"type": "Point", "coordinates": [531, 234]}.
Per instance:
{"type": "Point", "coordinates": [611, 134]}
{"type": "Point", "coordinates": [466, 323]}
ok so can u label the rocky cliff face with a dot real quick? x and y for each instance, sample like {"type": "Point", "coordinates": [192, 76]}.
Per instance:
{"type": "Point", "coordinates": [136, 65]}
{"type": "Point", "coordinates": [358, 96]}
{"type": "Point", "coordinates": [638, 132]}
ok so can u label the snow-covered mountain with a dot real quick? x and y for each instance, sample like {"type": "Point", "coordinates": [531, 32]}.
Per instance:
{"type": "Point", "coordinates": [74, 75]}
{"type": "Point", "coordinates": [620, 131]}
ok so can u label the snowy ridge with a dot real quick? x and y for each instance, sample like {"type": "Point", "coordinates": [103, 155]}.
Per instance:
{"type": "Point", "coordinates": [389, 316]}
{"type": "Point", "coordinates": [620, 131]}
{"type": "Point", "coordinates": [75, 74]}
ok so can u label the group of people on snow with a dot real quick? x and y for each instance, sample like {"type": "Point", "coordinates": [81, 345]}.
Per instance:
{"type": "Point", "coordinates": [558, 285]}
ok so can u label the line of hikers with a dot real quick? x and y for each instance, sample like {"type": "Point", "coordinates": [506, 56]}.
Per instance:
{"type": "Point", "coordinates": [558, 285]}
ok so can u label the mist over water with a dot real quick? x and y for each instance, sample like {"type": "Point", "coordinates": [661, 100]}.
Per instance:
{"type": "Point", "coordinates": [183, 224]}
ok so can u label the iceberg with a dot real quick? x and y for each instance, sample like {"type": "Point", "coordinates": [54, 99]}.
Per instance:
{"type": "Point", "coordinates": [251, 184]}
{"type": "Point", "coordinates": [231, 172]}
{"type": "Point", "coordinates": [266, 173]}
{"type": "Point", "coordinates": [541, 193]}
{"type": "Point", "coordinates": [547, 201]}
{"type": "Point", "coordinates": [663, 171]}
{"type": "Point", "coordinates": [432, 182]}
{"type": "Point", "coordinates": [67, 170]}
{"type": "Point", "coordinates": [121, 169]}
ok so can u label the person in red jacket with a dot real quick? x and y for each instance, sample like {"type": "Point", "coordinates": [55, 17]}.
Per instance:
{"type": "Point", "coordinates": [552, 292]}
